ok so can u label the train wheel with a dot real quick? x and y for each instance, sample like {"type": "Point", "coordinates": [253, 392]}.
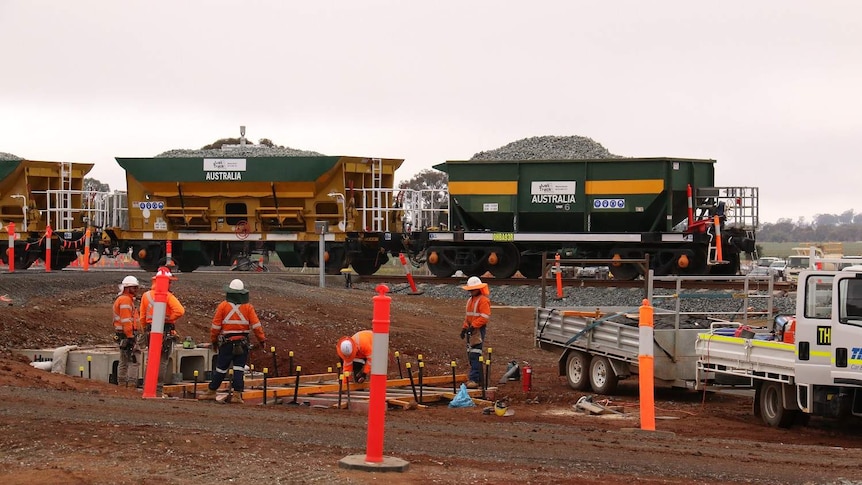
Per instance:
{"type": "Point", "coordinates": [365, 267]}
{"type": "Point", "coordinates": [531, 266]}
{"type": "Point", "coordinates": [507, 262]}
{"type": "Point", "coordinates": [335, 262]}
{"type": "Point", "coordinates": [624, 272]}
{"type": "Point", "coordinates": [696, 262]}
{"type": "Point", "coordinates": [441, 269]}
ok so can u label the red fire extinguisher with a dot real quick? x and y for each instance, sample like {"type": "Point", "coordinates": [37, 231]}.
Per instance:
{"type": "Point", "coordinates": [527, 381]}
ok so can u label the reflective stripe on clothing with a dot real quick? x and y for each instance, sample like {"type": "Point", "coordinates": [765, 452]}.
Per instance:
{"type": "Point", "coordinates": [235, 321]}
{"type": "Point", "coordinates": [125, 320]}
{"type": "Point", "coordinates": [173, 309]}
{"type": "Point", "coordinates": [478, 312]}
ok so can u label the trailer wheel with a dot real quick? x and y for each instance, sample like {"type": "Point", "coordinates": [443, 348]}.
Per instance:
{"type": "Point", "coordinates": [602, 376]}
{"type": "Point", "coordinates": [577, 370]}
{"type": "Point", "coordinates": [771, 408]}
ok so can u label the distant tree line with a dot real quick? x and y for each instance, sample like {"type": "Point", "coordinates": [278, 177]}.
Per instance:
{"type": "Point", "coordinates": [844, 227]}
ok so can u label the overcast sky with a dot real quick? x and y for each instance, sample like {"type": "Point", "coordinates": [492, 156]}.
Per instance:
{"type": "Point", "coordinates": [772, 90]}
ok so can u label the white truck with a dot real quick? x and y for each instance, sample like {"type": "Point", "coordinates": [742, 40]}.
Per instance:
{"type": "Point", "coordinates": [819, 373]}
{"type": "Point", "coordinates": [600, 346]}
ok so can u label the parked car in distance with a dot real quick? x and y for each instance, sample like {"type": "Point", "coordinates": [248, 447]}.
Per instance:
{"type": "Point", "coordinates": [779, 269]}
{"type": "Point", "coordinates": [760, 271]}
{"type": "Point", "coordinates": [765, 261]}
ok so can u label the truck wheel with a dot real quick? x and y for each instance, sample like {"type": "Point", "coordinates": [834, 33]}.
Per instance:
{"type": "Point", "coordinates": [771, 408]}
{"type": "Point", "coordinates": [602, 376]}
{"type": "Point", "coordinates": [577, 370]}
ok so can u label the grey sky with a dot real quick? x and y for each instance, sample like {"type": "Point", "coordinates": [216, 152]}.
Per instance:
{"type": "Point", "coordinates": [770, 89]}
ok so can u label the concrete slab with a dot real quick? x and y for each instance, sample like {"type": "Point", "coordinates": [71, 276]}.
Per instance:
{"type": "Point", "coordinates": [389, 464]}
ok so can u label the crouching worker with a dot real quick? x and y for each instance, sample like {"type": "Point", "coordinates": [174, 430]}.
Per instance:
{"type": "Point", "coordinates": [234, 319]}
{"type": "Point", "coordinates": [355, 353]}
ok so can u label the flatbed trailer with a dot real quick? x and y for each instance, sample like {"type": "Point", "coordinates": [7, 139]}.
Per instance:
{"type": "Point", "coordinates": [600, 346]}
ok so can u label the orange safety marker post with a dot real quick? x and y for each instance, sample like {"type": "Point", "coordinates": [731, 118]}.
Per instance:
{"type": "Point", "coordinates": [690, 204]}
{"type": "Point", "coordinates": [10, 230]}
{"type": "Point", "coordinates": [646, 370]}
{"type": "Point", "coordinates": [49, 233]}
{"type": "Point", "coordinates": [718, 256]}
{"type": "Point", "coordinates": [374, 459]}
{"type": "Point", "coordinates": [87, 250]}
{"type": "Point", "coordinates": [169, 254]}
{"type": "Point", "coordinates": [559, 275]}
{"type": "Point", "coordinates": [413, 290]}
{"type": "Point", "coordinates": [154, 355]}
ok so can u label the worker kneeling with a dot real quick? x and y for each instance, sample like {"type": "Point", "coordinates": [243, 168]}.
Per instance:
{"type": "Point", "coordinates": [355, 353]}
{"type": "Point", "coordinates": [234, 319]}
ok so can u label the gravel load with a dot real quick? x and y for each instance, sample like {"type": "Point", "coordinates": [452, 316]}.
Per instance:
{"type": "Point", "coordinates": [247, 151]}
{"type": "Point", "coordinates": [9, 156]}
{"type": "Point", "coordinates": [548, 148]}
{"type": "Point", "coordinates": [702, 304]}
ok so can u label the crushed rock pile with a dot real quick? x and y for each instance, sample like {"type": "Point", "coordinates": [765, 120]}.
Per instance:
{"type": "Point", "coordinates": [9, 156]}
{"type": "Point", "coordinates": [548, 148]}
{"type": "Point", "coordinates": [248, 151]}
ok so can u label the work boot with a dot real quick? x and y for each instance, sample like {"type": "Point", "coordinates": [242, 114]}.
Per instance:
{"type": "Point", "coordinates": [208, 395]}
{"type": "Point", "coordinates": [472, 385]}
{"type": "Point", "coordinates": [237, 398]}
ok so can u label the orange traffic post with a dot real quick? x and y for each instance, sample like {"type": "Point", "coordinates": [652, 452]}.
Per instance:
{"type": "Point", "coordinates": [87, 250]}
{"type": "Point", "coordinates": [559, 275]}
{"type": "Point", "coordinates": [718, 256]}
{"type": "Point", "coordinates": [409, 275]}
{"type": "Point", "coordinates": [646, 367]}
{"type": "Point", "coordinates": [169, 254]}
{"type": "Point", "coordinates": [49, 233]}
{"type": "Point", "coordinates": [10, 230]}
{"type": "Point", "coordinates": [154, 355]}
{"type": "Point", "coordinates": [690, 205]}
{"type": "Point", "coordinates": [374, 459]}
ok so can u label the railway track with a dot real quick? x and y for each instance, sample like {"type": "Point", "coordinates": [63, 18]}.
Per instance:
{"type": "Point", "coordinates": [753, 284]}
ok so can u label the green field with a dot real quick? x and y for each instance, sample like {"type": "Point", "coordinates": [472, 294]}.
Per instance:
{"type": "Point", "coordinates": [782, 250]}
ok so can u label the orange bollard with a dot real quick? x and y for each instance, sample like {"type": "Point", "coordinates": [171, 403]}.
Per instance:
{"type": "Point", "coordinates": [646, 367]}
{"type": "Point", "coordinates": [413, 290]}
{"type": "Point", "coordinates": [48, 234]}
{"type": "Point", "coordinates": [690, 205]}
{"type": "Point", "coordinates": [169, 259]}
{"type": "Point", "coordinates": [379, 364]}
{"type": "Point", "coordinates": [154, 354]}
{"type": "Point", "coordinates": [559, 275]}
{"type": "Point", "coordinates": [718, 256]}
{"type": "Point", "coordinates": [10, 229]}
{"type": "Point", "coordinates": [87, 250]}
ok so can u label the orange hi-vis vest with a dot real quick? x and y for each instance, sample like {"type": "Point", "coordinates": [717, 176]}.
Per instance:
{"type": "Point", "coordinates": [478, 312]}
{"type": "Point", "coordinates": [125, 319]}
{"type": "Point", "coordinates": [235, 321]}
{"type": "Point", "coordinates": [363, 340]}
{"type": "Point", "coordinates": [173, 310]}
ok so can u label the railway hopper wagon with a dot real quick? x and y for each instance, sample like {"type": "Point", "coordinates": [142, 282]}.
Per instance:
{"type": "Point", "coordinates": [37, 194]}
{"type": "Point", "coordinates": [215, 211]}
{"type": "Point", "coordinates": [505, 214]}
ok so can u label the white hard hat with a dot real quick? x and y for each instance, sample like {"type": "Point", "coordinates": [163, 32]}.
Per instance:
{"type": "Point", "coordinates": [346, 347]}
{"type": "Point", "coordinates": [129, 281]}
{"type": "Point", "coordinates": [236, 285]}
{"type": "Point", "coordinates": [474, 283]}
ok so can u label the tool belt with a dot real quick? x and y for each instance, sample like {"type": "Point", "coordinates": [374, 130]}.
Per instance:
{"type": "Point", "coordinates": [169, 327]}
{"type": "Point", "coordinates": [239, 344]}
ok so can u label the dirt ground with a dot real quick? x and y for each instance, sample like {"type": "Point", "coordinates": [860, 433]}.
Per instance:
{"type": "Point", "coordinates": [61, 429]}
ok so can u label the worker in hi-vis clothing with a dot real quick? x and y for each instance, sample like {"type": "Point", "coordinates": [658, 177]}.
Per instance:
{"type": "Point", "coordinates": [355, 353]}
{"type": "Point", "coordinates": [127, 330]}
{"type": "Point", "coordinates": [473, 329]}
{"type": "Point", "coordinates": [173, 311]}
{"type": "Point", "coordinates": [234, 319]}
